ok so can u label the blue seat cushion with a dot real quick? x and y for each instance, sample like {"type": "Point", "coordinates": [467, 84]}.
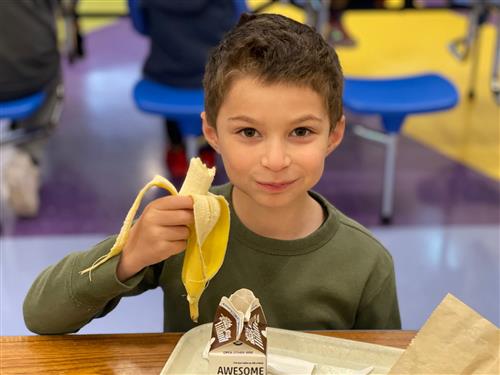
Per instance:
{"type": "Point", "coordinates": [399, 96]}
{"type": "Point", "coordinates": [21, 108]}
{"type": "Point", "coordinates": [181, 105]}
{"type": "Point", "coordinates": [165, 100]}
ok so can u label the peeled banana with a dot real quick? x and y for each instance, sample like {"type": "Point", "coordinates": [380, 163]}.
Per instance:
{"type": "Point", "coordinates": [207, 241]}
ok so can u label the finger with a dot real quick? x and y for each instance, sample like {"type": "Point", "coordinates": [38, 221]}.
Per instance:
{"type": "Point", "coordinates": [173, 202]}
{"type": "Point", "coordinates": [175, 233]}
{"type": "Point", "coordinates": [171, 217]}
{"type": "Point", "coordinates": [176, 247]}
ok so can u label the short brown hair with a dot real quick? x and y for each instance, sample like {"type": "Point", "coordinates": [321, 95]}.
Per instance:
{"type": "Point", "coordinates": [274, 49]}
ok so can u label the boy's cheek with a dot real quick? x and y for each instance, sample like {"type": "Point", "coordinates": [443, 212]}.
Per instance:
{"type": "Point", "coordinates": [236, 162]}
{"type": "Point", "coordinates": [233, 151]}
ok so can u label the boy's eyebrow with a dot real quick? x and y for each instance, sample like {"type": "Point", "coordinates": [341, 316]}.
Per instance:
{"type": "Point", "coordinates": [244, 119]}
{"type": "Point", "coordinates": [306, 118]}
{"type": "Point", "coordinates": [299, 120]}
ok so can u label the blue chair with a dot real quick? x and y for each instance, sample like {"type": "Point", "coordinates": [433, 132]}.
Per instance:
{"type": "Point", "coordinates": [394, 99]}
{"type": "Point", "coordinates": [181, 105]}
{"type": "Point", "coordinates": [18, 109]}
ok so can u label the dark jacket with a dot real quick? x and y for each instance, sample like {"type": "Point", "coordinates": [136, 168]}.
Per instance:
{"type": "Point", "coordinates": [29, 58]}
{"type": "Point", "coordinates": [182, 34]}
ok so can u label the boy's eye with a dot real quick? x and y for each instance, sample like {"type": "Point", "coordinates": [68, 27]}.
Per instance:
{"type": "Point", "coordinates": [301, 132]}
{"type": "Point", "coordinates": [248, 132]}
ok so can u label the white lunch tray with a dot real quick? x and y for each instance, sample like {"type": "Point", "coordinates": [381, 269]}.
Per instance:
{"type": "Point", "coordinates": [330, 353]}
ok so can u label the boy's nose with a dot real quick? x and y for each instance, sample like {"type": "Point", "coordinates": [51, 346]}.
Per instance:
{"type": "Point", "coordinates": [276, 156]}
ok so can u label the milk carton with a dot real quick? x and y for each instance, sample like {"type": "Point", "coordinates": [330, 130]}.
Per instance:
{"type": "Point", "coordinates": [239, 344]}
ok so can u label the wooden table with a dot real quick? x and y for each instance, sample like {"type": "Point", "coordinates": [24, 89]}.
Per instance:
{"type": "Point", "coordinates": [124, 353]}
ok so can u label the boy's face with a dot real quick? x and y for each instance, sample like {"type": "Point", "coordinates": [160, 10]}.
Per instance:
{"type": "Point", "coordinates": [273, 139]}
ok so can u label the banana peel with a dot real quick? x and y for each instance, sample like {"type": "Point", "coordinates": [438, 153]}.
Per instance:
{"type": "Point", "coordinates": [208, 237]}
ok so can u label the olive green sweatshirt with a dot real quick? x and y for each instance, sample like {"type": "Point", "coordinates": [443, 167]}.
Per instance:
{"type": "Point", "coordinates": [338, 277]}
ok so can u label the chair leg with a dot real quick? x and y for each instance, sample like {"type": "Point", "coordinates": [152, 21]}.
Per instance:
{"type": "Point", "coordinates": [390, 141]}
{"type": "Point", "coordinates": [389, 174]}
{"type": "Point", "coordinates": [370, 134]}
{"type": "Point", "coordinates": [474, 43]}
{"type": "Point", "coordinates": [57, 108]}
{"type": "Point", "coordinates": [495, 77]}
{"type": "Point", "coordinates": [4, 125]}
{"type": "Point", "coordinates": [191, 146]}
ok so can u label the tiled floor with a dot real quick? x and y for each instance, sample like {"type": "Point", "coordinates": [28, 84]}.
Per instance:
{"type": "Point", "coordinates": [445, 235]}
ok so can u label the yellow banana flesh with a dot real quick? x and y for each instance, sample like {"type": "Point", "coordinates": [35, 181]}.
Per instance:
{"type": "Point", "coordinates": [207, 242]}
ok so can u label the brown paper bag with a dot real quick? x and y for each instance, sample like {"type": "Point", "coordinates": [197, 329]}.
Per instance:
{"type": "Point", "coordinates": [454, 340]}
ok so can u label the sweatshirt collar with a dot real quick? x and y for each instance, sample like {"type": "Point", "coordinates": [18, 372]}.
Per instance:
{"type": "Point", "coordinates": [312, 242]}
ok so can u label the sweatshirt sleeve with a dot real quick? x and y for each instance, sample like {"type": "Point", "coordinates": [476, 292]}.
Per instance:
{"type": "Point", "coordinates": [379, 308]}
{"type": "Point", "coordinates": [61, 300]}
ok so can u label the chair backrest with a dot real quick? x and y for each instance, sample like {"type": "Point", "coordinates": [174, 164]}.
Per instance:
{"type": "Point", "coordinates": [139, 16]}
{"type": "Point", "coordinates": [240, 7]}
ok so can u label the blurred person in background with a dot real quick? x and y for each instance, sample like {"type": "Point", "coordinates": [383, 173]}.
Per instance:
{"type": "Point", "coordinates": [29, 63]}
{"type": "Point", "coordinates": [181, 35]}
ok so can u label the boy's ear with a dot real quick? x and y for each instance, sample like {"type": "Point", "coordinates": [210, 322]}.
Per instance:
{"type": "Point", "coordinates": [336, 135]}
{"type": "Point", "coordinates": [209, 132]}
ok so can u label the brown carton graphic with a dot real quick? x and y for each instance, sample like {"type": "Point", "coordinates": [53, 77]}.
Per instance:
{"type": "Point", "coordinates": [239, 344]}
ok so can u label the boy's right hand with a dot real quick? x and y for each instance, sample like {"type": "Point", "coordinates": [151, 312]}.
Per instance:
{"type": "Point", "coordinates": [160, 232]}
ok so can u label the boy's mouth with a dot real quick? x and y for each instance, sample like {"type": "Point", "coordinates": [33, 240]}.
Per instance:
{"type": "Point", "coordinates": [275, 186]}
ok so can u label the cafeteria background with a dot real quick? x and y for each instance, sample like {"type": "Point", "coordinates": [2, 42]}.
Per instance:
{"type": "Point", "coordinates": [444, 235]}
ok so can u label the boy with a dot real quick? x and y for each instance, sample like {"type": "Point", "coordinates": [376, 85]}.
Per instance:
{"type": "Point", "coordinates": [273, 112]}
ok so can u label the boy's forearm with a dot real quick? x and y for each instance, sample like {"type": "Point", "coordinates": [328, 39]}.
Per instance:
{"type": "Point", "coordinates": [127, 268]}
{"type": "Point", "coordinates": [61, 300]}
{"type": "Point", "coordinates": [50, 307]}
